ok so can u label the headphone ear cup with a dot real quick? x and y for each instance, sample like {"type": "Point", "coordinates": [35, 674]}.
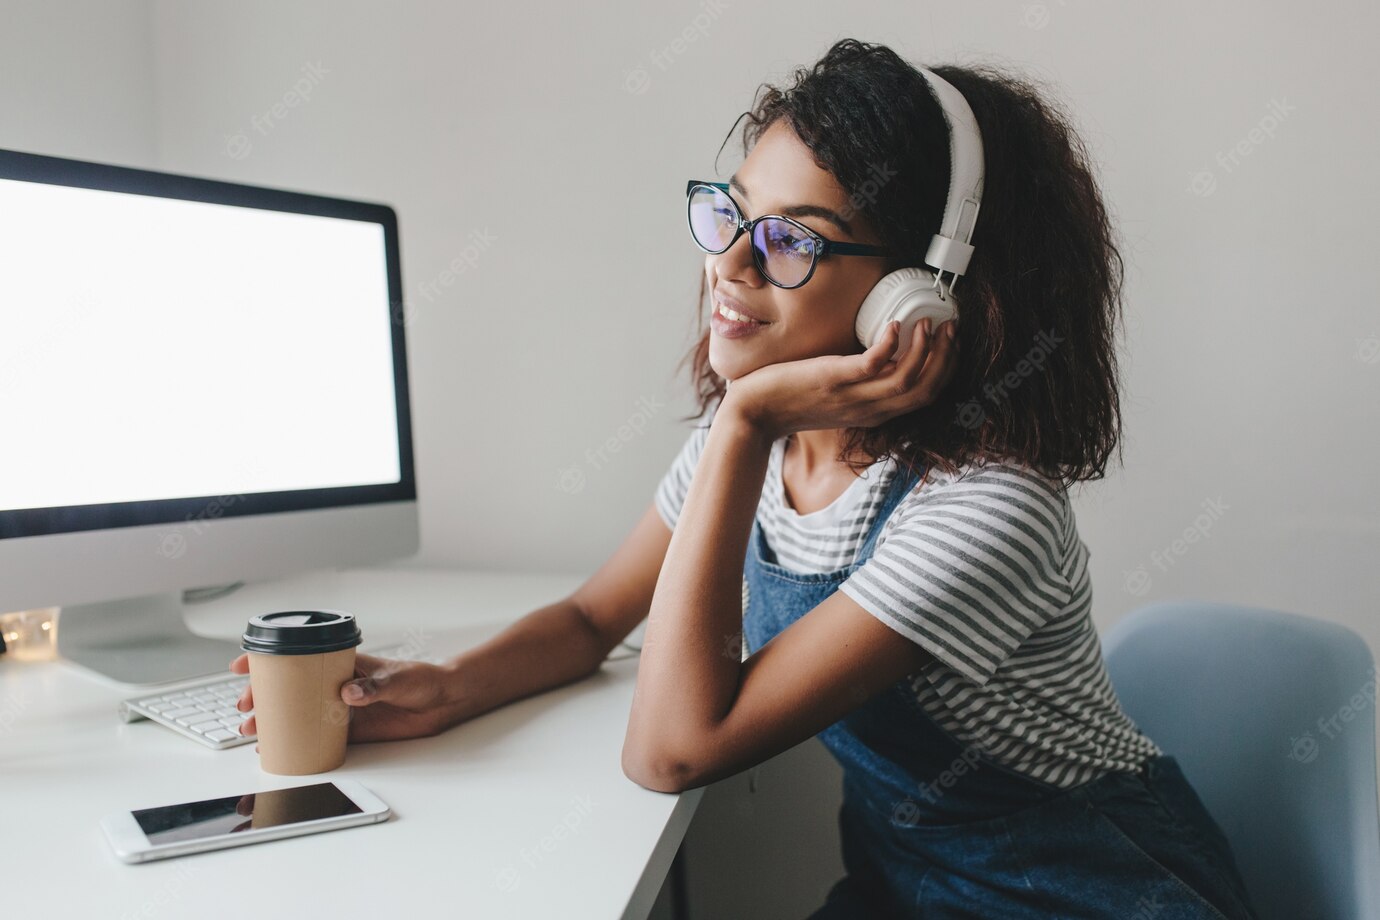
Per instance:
{"type": "Point", "coordinates": [908, 295]}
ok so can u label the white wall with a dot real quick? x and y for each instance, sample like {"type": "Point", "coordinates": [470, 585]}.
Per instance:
{"type": "Point", "coordinates": [1246, 369]}
{"type": "Point", "coordinates": [1252, 353]}
{"type": "Point", "coordinates": [77, 80]}
{"type": "Point", "coordinates": [1246, 376]}
{"type": "Point", "coordinates": [504, 131]}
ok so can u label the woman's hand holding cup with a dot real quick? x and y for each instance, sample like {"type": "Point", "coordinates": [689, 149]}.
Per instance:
{"type": "Point", "coordinates": [397, 699]}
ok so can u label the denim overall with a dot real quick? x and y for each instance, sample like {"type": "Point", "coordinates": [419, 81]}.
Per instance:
{"type": "Point", "coordinates": [936, 829]}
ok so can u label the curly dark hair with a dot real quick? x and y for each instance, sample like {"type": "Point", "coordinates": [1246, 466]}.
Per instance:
{"type": "Point", "coordinates": [1037, 375]}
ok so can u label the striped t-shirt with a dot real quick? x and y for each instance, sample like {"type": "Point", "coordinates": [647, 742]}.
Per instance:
{"type": "Point", "coordinates": [985, 569]}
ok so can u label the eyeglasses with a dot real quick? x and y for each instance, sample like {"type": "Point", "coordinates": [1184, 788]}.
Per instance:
{"type": "Point", "coordinates": [785, 251]}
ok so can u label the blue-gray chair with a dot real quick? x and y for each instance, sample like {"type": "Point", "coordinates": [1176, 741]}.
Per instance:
{"type": "Point", "coordinates": [1271, 716]}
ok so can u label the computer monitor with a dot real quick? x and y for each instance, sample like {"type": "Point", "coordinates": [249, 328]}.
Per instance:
{"type": "Point", "coordinates": [201, 382]}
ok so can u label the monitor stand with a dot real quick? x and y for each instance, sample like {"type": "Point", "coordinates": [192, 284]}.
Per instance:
{"type": "Point", "coordinates": [140, 640]}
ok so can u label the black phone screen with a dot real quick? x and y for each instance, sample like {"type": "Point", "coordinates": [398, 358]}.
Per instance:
{"type": "Point", "coordinates": [238, 813]}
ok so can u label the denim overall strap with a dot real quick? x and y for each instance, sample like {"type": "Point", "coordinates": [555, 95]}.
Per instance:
{"type": "Point", "coordinates": [901, 484]}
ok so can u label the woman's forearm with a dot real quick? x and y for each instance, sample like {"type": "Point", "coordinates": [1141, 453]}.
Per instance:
{"type": "Point", "coordinates": [549, 647]}
{"type": "Point", "coordinates": [686, 683]}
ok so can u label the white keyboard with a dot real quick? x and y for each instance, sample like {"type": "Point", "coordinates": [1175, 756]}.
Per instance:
{"type": "Point", "coordinates": [205, 710]}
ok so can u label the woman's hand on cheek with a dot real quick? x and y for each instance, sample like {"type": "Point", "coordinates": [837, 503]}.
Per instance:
{"type": "Point", "coordinates": [847, 391]}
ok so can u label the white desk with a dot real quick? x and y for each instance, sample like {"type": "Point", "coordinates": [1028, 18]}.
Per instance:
{"type": "Point", "coordinates": [521, 812]}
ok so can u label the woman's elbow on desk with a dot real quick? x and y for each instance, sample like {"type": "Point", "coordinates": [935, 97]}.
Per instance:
{"type": "Point", "coordinates": [659, 774]}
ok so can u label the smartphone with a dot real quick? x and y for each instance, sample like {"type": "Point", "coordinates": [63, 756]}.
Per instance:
{"type": "Point", "coordinates": [235, 820]}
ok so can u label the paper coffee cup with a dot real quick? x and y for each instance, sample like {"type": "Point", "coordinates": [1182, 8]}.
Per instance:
{"type": "Point", "coordinates": [298, 661]}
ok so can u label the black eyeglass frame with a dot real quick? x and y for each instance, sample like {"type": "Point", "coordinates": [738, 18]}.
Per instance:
{"type": "Point", "coordinates": [823, 247]}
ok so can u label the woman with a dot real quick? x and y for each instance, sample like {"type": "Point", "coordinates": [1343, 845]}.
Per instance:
{"type": "Point", "coordinates": [882, 552]}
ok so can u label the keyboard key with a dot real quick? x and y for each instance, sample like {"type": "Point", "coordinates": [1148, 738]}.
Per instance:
{"type": "Point", "coordinates": [222, 735]}
{"type": "Point", "coordinates": [194, 721]}
{"type": "Point", "coordinates": [180, 714]}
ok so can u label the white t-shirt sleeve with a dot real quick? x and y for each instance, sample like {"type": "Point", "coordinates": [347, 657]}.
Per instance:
{"type": "Point", "coordinates": [671, 492]}
{"type": "Point", "coordinates": [972, 570]}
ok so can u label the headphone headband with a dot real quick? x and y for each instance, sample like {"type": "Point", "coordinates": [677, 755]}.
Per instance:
{"type": "Point", "coordinates": [950, 248]}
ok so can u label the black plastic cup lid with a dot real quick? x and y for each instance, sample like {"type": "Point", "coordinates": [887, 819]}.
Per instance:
{"type": "Point", "coordinates": [301, 632]}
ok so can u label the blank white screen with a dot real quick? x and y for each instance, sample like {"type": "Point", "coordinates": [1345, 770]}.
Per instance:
{"type": "Point", "coordinates": [152, 348]}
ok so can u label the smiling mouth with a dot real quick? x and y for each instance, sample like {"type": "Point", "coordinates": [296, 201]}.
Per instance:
{"type": "Point", "coordinates": [735, 317]}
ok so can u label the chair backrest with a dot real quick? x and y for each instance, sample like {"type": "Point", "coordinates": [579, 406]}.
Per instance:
{"type": "Point", "coordinates": [1271, 716]}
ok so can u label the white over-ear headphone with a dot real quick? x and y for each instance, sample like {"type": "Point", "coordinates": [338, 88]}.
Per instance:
{"type": "Point", "coordinates": [911, 294]}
